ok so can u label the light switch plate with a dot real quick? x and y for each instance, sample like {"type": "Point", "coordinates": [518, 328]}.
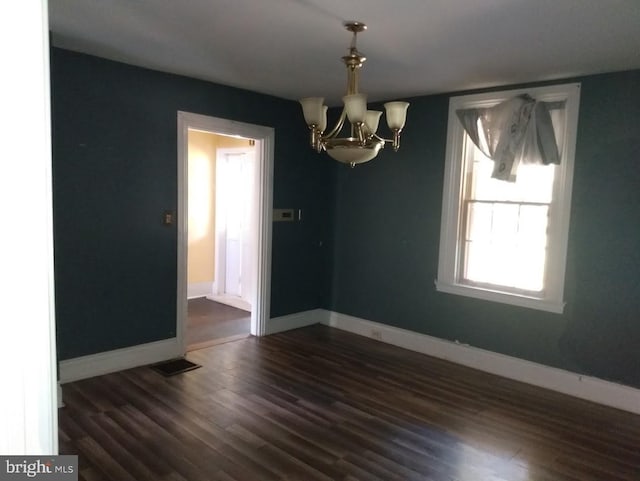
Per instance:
{"type": "Point", "coordinates": [284, 215]}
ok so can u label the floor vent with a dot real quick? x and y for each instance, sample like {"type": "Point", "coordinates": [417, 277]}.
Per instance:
{"type": "Point", "coordinates": [174, 366]}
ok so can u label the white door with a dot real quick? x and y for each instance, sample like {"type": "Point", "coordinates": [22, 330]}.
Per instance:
{"type": "Point", "coordinates": [235, 222]}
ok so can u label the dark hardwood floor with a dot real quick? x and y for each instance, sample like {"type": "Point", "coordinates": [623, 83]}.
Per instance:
{"type": "Point", "coordinates": [210, 322]}
{"type": "Point", "coordinates": [321, 404]}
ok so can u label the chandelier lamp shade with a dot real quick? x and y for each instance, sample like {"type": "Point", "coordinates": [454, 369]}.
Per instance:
{"type": "Point", "coordinates": [363, 142]}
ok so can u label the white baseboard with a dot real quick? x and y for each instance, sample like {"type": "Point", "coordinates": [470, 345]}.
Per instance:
{"type": "Point", "coordinates": [294, 321]}
{"type": "Point", "coordinates": [233, 301]}
{"type": "Point", "coordinates": [199, 289]}
{"type": "Point", "coordinates": [111, 361]}
{"type": "Point", "coordinates": [585, 387]}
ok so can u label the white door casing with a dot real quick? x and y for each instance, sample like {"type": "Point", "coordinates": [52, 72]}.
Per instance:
{"type": "Point", "coordinates": [264, 137]}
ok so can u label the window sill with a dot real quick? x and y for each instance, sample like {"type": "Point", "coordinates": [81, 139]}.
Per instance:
{"type": "Point", "coordinates": [556, 307]}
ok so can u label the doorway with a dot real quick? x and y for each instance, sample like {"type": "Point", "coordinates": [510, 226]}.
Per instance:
{"type": "Point", "coordinates": [231, 195]}
{"type": "Point", "coordinates": [221, 240]}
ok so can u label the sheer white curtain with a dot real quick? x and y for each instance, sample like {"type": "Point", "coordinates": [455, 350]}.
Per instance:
{"type": "Point", "coordinates": [518, 130]}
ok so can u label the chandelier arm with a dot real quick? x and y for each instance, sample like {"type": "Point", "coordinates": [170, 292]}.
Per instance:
{"type": "Point", "coordinates": [396, 132]}
{"type": "Point", "coordinates": [316, 139]}
{"type": "Point", "coordinates": [359, 130]}
{"type": "Point", "coordinates": [388, 141]}
{"type": "Point", "coordinates": [338, 127]}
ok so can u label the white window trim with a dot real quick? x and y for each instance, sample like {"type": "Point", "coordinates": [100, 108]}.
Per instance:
{"type": "Point", "coordinates": [553, 300]}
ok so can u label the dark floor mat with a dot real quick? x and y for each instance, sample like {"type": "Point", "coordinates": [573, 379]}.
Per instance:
{"type": "Point", "coordinates": [174, 366]}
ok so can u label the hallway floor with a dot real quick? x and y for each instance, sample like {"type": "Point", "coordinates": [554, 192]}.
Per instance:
{"type": "Point", "coordinates": [211, 322]}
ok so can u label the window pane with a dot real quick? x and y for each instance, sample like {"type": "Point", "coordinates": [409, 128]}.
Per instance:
{"type": "Point", "coordinates": [533, 223]}
{"type": "Point", "coordinates": [479, 225]}
{"type": "Point", "coordinates": [534, 183]}
{"type": "Point", "coordinates": [477, 261]}
{"type": "Point", "coordinates": [504, 229]}
{"type": "Point", "coordinates": [503, 264]}
{"type": "Point", "coordinates": [506, 225]}
{"type": "Point", "coordinates": [528, 272]}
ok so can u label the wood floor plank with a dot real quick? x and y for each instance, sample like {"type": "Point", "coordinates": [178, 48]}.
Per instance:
{"type": "Point", "coordinates": [180, 456]}
{"type": "Point", "coordinates": [321, 404]}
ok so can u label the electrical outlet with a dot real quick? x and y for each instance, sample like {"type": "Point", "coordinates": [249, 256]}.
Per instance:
{"type": "Point", "coordinates": [376, 334]}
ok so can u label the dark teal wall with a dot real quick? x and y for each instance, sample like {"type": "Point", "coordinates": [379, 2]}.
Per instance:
{"type": "Point", "coordinates": [114, 169]}
{"type": "Point", "coordinates": [114, 138]}
{"type": "Point", "coordinates": [388, 226]}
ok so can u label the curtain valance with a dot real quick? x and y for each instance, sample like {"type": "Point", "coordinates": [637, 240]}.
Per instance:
{"type": "Point", "coordinates": [517, 130]}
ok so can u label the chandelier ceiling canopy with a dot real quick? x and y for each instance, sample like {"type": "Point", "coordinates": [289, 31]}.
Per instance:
{"type": "Point", "coordinates": [363, 143]}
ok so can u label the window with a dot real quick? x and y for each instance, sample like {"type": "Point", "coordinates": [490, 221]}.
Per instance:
{"type": "Point", "coordinates": [507, 241]}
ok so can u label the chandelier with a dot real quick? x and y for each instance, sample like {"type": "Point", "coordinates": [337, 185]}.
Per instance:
{"type": "Point", "coordinates": [363, 143]}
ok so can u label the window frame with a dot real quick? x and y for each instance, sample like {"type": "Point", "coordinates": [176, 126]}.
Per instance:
{"type": "Point", "coordinates": [448, 281]}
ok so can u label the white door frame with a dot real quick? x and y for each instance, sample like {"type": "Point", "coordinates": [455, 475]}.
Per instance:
{"type": "Point", "coordinates": [264, 137]}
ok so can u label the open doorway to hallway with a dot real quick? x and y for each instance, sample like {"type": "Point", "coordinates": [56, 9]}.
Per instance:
{"type": "Point", "coordinates": [222, 242]}
{"type": "Point", "coordinates": [225, 190]}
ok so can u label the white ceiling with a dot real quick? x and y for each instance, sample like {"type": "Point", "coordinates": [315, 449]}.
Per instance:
{"type": "Point", "coordinates": [292, 48]}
